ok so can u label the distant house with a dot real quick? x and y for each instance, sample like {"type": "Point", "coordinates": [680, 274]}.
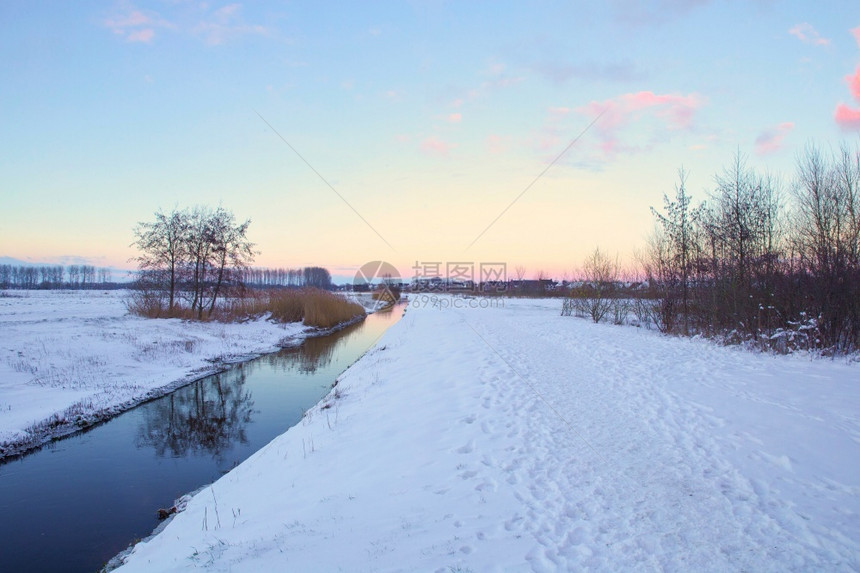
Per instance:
{"type": "Point", "coordinates": [536, 286]}
{"type": "Point", "coordinates": [458, 285]}
{"type": "Point", "coordinates": [428, 284]}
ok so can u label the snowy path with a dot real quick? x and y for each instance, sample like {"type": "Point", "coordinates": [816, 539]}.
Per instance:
{"type": "Point", "coordinates": [515, 439]}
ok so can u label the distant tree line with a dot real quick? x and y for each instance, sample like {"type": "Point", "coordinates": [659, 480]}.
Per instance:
{"type": "Point", "coordinates": [317, 277]}
{"type": "Point", "coordinates": [189, 259]}
{"type": "Point", "coordinates": [53, 276]}
{"type": "Point", "coordinates": [762, 261]}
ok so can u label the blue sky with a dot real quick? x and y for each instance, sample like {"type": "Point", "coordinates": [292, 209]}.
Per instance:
{"type": "Point", "coordinates": [428, 118]}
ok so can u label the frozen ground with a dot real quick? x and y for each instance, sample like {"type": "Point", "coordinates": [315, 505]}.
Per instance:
{"type": "Point", "coordinates": [69, 358]}
{"type": "Point", "coordinates": [477, 439]}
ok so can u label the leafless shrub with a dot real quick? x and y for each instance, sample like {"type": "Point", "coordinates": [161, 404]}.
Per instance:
{"type": "Point", "coordinates": [753, 267]}
{"type": "Point", "coordinates": [600, 275]}
{"type": "Point", "coordinates": [620, 309]}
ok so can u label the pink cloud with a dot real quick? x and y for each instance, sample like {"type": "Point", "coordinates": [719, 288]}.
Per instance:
{"type": "Point", "coordinates": [676, 110]}
{"type": "Point", "coordinates": [455, 117]}
{"type": "Point", "coordinates": [226, 23]}
{"type": "Point", "coordinates": [549, 140]}
{"type": "Point", "coordinates": [847, 118]}
{"type": "Point", "coordinates": [770, 140]}
{"type": "Point", "coordinates": [808, 35]}
{"type": "Point", "coordinates": [497, 144]}
{"type": "Point", "coordinates": [856, 33]}
{"type": "Point", "coordinates": [146, 35]}
{"type": "Point", "coordinates": [435, 146]}
{"type": "Point", "coordinates": [854, 83]}
{"type": "Point", "coordinates": [496, 69]}
{"type": "Point", "coordinates": [495, 79]}
{"type": "Point", "coordinates": [636, 122]}
{"type": "Point", "coordinates": [135, 25]}
{"type": "Point", "coordinates": [130, 20]}
{"type": "Point", "coordinates": [226, 12]}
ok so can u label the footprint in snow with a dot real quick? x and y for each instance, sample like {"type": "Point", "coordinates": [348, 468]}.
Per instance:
{"type": "Point", "coordinates": [467, 449]}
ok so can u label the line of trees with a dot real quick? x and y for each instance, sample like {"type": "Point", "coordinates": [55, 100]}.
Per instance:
{"type": "Point", "coordinates": [760, 260]}
{"type": "Point", "coordinates": [189, 259]}
{"type": "Point", "coordinates": [53, 276]}
{"type": "Point", "coordinates": [317, 277]}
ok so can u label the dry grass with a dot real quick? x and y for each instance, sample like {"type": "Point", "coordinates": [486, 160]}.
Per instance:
{"type": "Point", "coordinates": [325, 310]}
{"type": "Point", "coordinates": [285, 305]}
{"type": "Point", "coordinates": [315, 307]}
{"type": "Point", "coordinates": [152, 305]}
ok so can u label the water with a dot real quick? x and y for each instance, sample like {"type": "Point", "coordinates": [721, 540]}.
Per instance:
{"type": "Point", "coordinates": [77, 502]}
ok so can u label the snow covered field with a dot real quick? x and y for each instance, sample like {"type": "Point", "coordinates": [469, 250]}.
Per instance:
{"type": "Point", "coordinates": [68, 358]}
{"type": "Point", "coordinates": [511, 438]}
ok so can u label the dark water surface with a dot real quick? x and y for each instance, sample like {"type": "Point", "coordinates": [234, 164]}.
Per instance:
{"type": "Point", "coordinates": [77, 502]}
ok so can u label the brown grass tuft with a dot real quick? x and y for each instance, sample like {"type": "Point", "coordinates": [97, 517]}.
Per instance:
{"type": "Point", "coordinates": [316, 307]}
{"type": "Point", "coordinates": [325, 310]}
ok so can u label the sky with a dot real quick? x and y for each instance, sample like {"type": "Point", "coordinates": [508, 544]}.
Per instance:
{"type": "Point", "coordinates": [419, 133]}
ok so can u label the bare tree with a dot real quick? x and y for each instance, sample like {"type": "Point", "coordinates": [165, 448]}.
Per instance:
{"type": "Point", "coordinates": [317, 277]}
{"type": "Point", "coordinates": [199, 244]}
{"type": "Point", "coordinates": [163, 249]}
{"type": "Point", "coordinates": [826, 238]}
{"type": "Point", "coordinates": [742, 225]}
{"type": "Point", "coordinates": [520, 273]}
{"type": "Point", "coordinates": [192, 255]}
{"type": "Point", "coordinates": [600, 274]}
{"type": "Point", "coordinates": [231, 249]}
{"type": "Point", "coordinates": [674, 253]}
{"type": "Point", "coordinates": [74, 275]}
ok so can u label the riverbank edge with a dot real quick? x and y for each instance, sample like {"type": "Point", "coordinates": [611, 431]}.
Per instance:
{"type": "Point", "coordinates": [48, 432]}
{"type": "Point", "coordinates": [119, 559]}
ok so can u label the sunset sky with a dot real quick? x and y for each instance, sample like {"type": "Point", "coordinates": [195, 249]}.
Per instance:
{"type": "Point", "coordinates": [428, 118]}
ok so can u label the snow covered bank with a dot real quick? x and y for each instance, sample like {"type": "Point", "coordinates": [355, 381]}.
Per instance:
{"type": "Point", "coordinates": [366, 300]}
{"type": "Point", "coordinates": [514, 439]}
{"type": "Point", "coordinates": [71, 358]}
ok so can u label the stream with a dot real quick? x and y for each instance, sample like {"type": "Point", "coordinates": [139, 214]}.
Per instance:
{"type": "Point", "coordinates": [77, 502]}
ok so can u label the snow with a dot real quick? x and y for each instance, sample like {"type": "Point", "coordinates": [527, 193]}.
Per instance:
{"type": "Point", "coordinates": [475, 438]}
{"type": "Point", "coordinates": [74, 357]}
{"type": "Point", "coordinates": [365, 299]}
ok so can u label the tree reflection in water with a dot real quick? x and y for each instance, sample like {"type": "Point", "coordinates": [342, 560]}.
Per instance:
{"type": "Point", "coordinates": [206, 417]}
{"type": "Point", "coordinates": [313, 354]}
{"type": "Point", "coordinates": [212, 414]}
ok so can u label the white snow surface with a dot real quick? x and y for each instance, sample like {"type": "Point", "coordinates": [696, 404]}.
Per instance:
{"type": "Point", "coordinates": [365, 299]}
{"type": "Point", "coordinates": [67, 355]}
{"type": "Point", "coordinates": [475, 439]}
